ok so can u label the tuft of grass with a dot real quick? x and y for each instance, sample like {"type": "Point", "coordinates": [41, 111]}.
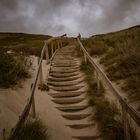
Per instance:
{"type": "Point", "coordinates": [110, 120]}
{"type": "Point", "coordinates": [43, 87]}
{"type": "Point", "coordinates": [13, 67]}
{"type": "Point", "coordinates": [33, 130]}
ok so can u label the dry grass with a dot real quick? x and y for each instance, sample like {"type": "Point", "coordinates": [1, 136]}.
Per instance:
{"type": "Point", "coordinates": [33, 130]}
{"type": "Point", "coordinates": [121, 57]}
{"type": "Point", "coordinates": [108, 116]}
{"type": "Point", "coordinates": [26, 43]}
{"type": "Point", "coordinates": [13, 67]}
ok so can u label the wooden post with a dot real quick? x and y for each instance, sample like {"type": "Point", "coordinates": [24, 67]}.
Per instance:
{"type": "Point", "coordinates": [56, 47]}
{"type": "Point", "coordinates": [85, 59]}
{"type": "Point", "coordinates": [33, 104]}
{"type": "Point", "coordinates": [126, 127]}
{"type": "Point", "coordinates": [38, 59]}
{"type": "Point", "coordinates": [52, 51]}
{"type": "Point", "coordinates": [97, 80]}
{"type": "Point", "coordinates": [95, 75]}
{"type": "Point", "coordinates": [4, 134]}
{"type": "Point", "coordinates": [98, 83]}
{"type": "Point", "coordinates": [47, 54]}
{"type": "Point", "coordinates": [59, 45]}
{"type": "Point", "coordinates": [33, 108]}
{"type": "Point", "coordinates": [40, 76]}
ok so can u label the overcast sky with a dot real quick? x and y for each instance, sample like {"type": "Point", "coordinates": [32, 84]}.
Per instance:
{"type": "Point", "coordinates": [56, 17]}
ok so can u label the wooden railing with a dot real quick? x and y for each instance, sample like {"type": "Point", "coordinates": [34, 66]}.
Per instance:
{"type": "Point", "coordinates": [50, 47]}
{"type": "Point", "coordinates": [101, 76]}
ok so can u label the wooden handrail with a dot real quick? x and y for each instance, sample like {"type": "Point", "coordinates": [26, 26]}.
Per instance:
{"type": "Point", "coordinates": [129, 109]}
{"type": "Point", "coordinates": [27, 107]}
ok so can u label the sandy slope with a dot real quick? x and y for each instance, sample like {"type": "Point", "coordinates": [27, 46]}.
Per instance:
{"type": "Point", "coordinates": [12, 101]}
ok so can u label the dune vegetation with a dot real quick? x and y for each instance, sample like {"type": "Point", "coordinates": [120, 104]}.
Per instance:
{"type": "Point", "coordinates": [107, 114]}
{"type": "Point", "coordinates": [14, 51]}
{"type": "Point", "coordinates": [119, 52]}
{"type": "Point", "coordinates": [33, 130]}
{"type": "Point", "coordinates": [23, 43]}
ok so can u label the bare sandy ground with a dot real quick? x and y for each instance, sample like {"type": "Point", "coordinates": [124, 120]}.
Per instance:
{"type": "Point", "coordinates": [12, 101]}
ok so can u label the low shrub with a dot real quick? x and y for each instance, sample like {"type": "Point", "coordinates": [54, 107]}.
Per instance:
{"type": "Point", "coordinates": [33, 130]}
{"type": "Point", "coordinates": [13, 67]}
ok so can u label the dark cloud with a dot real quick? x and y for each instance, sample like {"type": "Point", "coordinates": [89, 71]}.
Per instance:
{"type": "Point", "coordinates": [68, 16]}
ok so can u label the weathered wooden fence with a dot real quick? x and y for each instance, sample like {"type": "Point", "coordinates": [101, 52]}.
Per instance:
{"type": "Point", "coordinates": [50, 47]}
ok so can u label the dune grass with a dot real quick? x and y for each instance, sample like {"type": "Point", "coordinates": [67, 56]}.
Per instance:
{"type": "Point", "coordinates": [14, 51]}
{"type": "Point", "coordinates": [13, 67]}
{"type": "Point", "coordinates": [107, 114]}
{"type": "Point", "coordinates": [120, 54]}
{"type": "Point", "coordinates": [30, 44]}
{"type": "Point", "coordinates": [33, 130]}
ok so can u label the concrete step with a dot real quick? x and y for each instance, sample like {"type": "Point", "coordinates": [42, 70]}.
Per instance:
{"type": "Point", "coordinates": [63, 71]}
{"type": "Point", "coordinates": [69, 83]}
{"type": "Point", "coordinates": [86, 132]}
{"type": "Point", "coordinates": [87, 137]}
{"type": "Point", "coordinates": [79, 126]}
{"type": "Point", "coordinates": [64, 65]}
{"type": "Point", "coordinates": [67, 100]}
{"type": "Point", "coordinates": [76, 116]}
{"type": "Point", "coordinates": [66, 94]}
{"type": "Point", "coordinates": [64, 57]}
{"type": "Point", "coordinates": [72, 108]}
{"type": "Point", "coordinates": [64, 60]}
{"type": "Point", "coordinates": [61, 75]}
{"type": "Point", "coordinates": [59, 79]}
{"type": "Point", "coordinates": [64, 68]}
{"type": "Point", "coordinates": [66, 88]}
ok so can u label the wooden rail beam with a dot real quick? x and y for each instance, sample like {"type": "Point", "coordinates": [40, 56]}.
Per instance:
{"type": "Point", "coordinates": [15, 131]}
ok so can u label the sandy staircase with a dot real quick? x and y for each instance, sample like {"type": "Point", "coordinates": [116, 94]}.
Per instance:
{"type": "Point", "coordinates": [68, 91]}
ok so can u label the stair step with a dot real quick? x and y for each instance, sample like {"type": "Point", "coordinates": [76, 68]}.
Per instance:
{"type": "Point", "coordinates": [86, 137]}
{"type": "Point", "coordinates": [79, 126]}
{"type": "Point", "coordinates": [64, 71]}
{"type": "Point", "coordinates": [63, 74]}
{"type": "Point", "coordinates": [66, 88]}
{"type": "Point", "coordinates": [61, 58]}
{"type": "Point", "coordinates": [72, 108]}
{"type": "Point", "coordinates": [64, 78]}
{"type": "Point", "coordinates": [69, 83]}
{"type": "Point", "coordinates": [64, 65]}
{"type": "Point", "coordinates": [75, 116]}
{"type": "Point", "coordinates": [66, 94]}
{"type": "Point", "coordinates": [65, 68]}
{"type": "Point", "coordinates": [67, 100]}
{"type": "Point", "coordinates": [65, 60]}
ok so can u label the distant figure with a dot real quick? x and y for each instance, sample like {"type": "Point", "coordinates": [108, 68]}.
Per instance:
{"type": "Point", "coordinates": [79, 36]}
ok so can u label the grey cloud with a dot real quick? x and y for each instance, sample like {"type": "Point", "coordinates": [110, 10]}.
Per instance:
{"type": "Point", "coordinates": [56, 17]}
